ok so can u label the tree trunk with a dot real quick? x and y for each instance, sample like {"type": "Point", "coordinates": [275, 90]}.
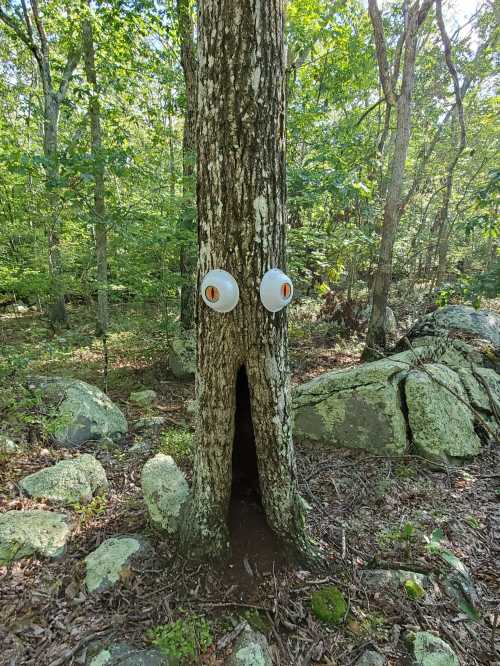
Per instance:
{"type": "Point", "coordinates": [376, 339]}
{"type": "Point", "coordinates": [187, 258]}
{"type": "Point", "coordinates": [241, 218]}
{"type": "Point", "coordinates": [57, 307]}
{"type": "Point", "coordinates": [100, 228]}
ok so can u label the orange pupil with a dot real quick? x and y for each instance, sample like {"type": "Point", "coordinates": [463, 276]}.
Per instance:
{"type": "Point", "coordinates": [212, 294]}
{"type": "Point", "coordinates": [285, 290]}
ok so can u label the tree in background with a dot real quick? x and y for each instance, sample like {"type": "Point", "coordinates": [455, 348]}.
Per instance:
{"type": "Point", "coordinates": [29, 27]}
{"type": "Point", "coordinates": [242, 355]}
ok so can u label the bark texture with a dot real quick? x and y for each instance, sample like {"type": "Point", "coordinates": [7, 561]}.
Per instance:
{"type": "Point", "coordinates": [241, 225]}
{"type": "Point", "coordinates": [100, 229]}
{"type": "Point", "coordinates": [376, 339]}
{"type": "Point", "coordinates": [187, 259]}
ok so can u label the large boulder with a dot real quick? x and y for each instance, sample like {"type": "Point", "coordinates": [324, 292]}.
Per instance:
{"type": "Point", "coordinates": [439, 414]}
{"type": "Point", "coordinates": [68, 482]}
{"type": "Point", "coordinates": [182, 356]}
{"type": "Point", "coordinates": [251, 649]}
{"type": "Point", "coordinates": [357, 408]}
{"type": "Point", "coordinates": [110, 563]}
{"type": "Point", "coordinates": [165, 491]}
{"type": "Point", "coordinates": [123, 654]}
{"type": "Point", "coordinates": [459, 319]}
{"type": "Point", "coordinates": [26, 533]}
{"type": "Point", "coordinates": [80, 411]}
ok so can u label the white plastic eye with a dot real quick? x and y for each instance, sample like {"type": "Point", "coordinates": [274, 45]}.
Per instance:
{"type": "Point", "coordinates": [276, 290]}
{"type": "Point", "coordinates": [220, 290]}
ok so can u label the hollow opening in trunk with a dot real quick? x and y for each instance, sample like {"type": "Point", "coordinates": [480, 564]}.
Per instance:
{"type": "Point", "coordinates": [254, 547]}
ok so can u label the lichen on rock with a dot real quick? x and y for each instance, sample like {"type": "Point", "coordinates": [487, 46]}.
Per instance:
{"type": "Point", "coordinates": [26, 533]}
{"type": "Point", "coordinates": [110, 562]}
{"type": "Point", "coordinates": [165, 491]}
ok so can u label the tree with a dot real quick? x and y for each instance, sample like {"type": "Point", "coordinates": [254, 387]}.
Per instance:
{"type": "Point", "coordinates": [242, 355]}
{"type": "Point", "coordinates": [25, 28]}
{"type": "Point", "coordinates": [187, 255]}
{"type": "Point", "coordinates": [100, 227]}
{"type": "Point", "coordinates": [414, 16]}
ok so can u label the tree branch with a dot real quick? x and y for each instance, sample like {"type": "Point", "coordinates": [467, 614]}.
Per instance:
{"type": "Point", "coordinates": [26, 38]}
{"type": "Point", "coordinates": [381, 51]}
{"type": "Point", "coordinates": [71, 63]}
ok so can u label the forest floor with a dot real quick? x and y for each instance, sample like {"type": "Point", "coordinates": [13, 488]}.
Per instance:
{"type": "Point", "coordinates": [366, 511]}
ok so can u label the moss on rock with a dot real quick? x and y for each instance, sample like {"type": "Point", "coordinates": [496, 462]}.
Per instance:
{"type": "Point", "coordinates": [329, 605]}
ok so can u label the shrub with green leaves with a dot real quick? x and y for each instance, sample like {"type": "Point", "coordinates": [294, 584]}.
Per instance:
{"type": "Point", "coordinates": [177, 442]}
{"type": "Point", "coordinates": [183, 640]}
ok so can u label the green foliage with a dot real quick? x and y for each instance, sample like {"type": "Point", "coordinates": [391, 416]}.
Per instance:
{"type": "Point", "coordinates": [256, 620]}
{"type": "Point", "coordinates": [329, 605]}
{"type": "Point", "coordinates": [414, 590]}
{"type": "Point", "coordinates": [88, 512]}
{"type": "Point", "coordinates": [183, 640]}
{"type": "Point", "coordinates": [177, 442]}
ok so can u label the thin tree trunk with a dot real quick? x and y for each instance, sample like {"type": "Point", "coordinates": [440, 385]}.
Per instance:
{"type": "Point", "coordinates": [187, 257]}
{"type": "Point", "coordinates": [100, 227]}
{"type": "Point", "coordinates": [241, 217]}
{"type": "Point", "coordinates": [376, 339]}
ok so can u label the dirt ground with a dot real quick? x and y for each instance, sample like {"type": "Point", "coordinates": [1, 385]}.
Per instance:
{"type": "Point", "coordinates": [367, 512]}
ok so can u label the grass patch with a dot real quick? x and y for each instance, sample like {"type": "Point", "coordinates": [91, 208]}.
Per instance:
{"type": "Point", "coordinates": [178, 443]}
{"type": "Point", "coordinates": [184, 640]}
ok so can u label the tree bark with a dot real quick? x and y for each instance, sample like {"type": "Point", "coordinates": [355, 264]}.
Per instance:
{"type": "Point", "coordinates": [187, 257]}
{"type": "Point", "coordinates": [376, 339]}
{"type": "Point", "coordinates": [241, 222]}
{"type": "Point", "coordinates": [100, 228]}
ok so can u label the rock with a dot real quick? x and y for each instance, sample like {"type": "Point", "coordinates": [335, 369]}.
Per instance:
{"type": "Point", "coordinates": [430, 650]}
{"type": "Point", "coordinates": [150, 423]}
{"type": "Point", "coordinates": [250, 649]}
{"type": "Point", "coordinates": [358, 408]}
{"type": "Point", "coordinates": [140, 447]}
{"type": "Point", "coordinates": [441, 424]}
{"type": "Point", "coordinates": [110, 562]}
{"type": "Point", "coordinates": [8, 447]}
{"type": "Point", "coordinates": [482, 324]}
{"type": "Point", "coordinates": [459, 584]}
{"type": "Point", "coordinates": [26, 533]}
{"type": "Point", "coordinates": [20, 308]}
{"type": "Point", "coordinates": [143, 398]}
{"type": "Point", "coordinates": [82, 411]}
{"type": "Point", "coordinates": [68, 482]}
{"type": "Point", "coordinates": [474, 380]}
{"type": "Point", "coordinates": [165, 491]}
{"type": "Point", "coordinates": [182, 356]}
{"type": "Point", "coordinates": [393, 580]}
{"type": "Point", "coordinates": [371, 658]}
{"type": "Point", "coordinates": [123, 654]}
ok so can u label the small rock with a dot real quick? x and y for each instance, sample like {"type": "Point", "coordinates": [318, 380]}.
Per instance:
{"type": "Point", "coordinates": [8, 447]}
{"type": "Point", "coordinates": [140, 447]}
{"type": "Point", "coordinates": [371, 658]}
{"type": "Point", "coordinates": [81, 412]}
{"type": "Point", "coordinates": [250, 649]}
{"type": "Point", "coordinates": [143, 398]}
{"type": "Point", "coordinates": [123, 654]}
{"type": "Point", "coordinates": [68, 482]}
{"type": "Point", "coordinates": [393, 580]}
{"type": "Point", "coordinates": [165, 491]}
{"type": "Point", "coordinates": [26, 533]}
{"type": "Point", "coordinates": [430, 650]}
{"type": "Point", "coordinates": [110, 562]}
{"type": "Point", "coordinates": [150, 423]}
{"type": "Point", "coordinates": [182, 356]}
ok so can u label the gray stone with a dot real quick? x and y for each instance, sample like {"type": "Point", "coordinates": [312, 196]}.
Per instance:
{"type": "Point", "coordinates": [358, 408]}
{"type": "Point", "coordinates": [123, 654]}
{"type": "Point", "coordinates": [165, 491]}
{"type": "Point", "coordinates": [143, 398]}
{"type": "Point", "coordinates": [393, 580]}
{"type": "Point", "coordinates": [430, 650]}
{"type": "Point", "coordinates": [182, 356]}
{"type": "Point", "coordinates": [442, 424]}
{"type": "Point", "coordinates": [482, 324]}
{"type": "Point", "coordinates": [150, 423]}
{"type": "Point", "coordinates": [110, 562]}
{"type": "Point", "coordinates": [26, 533]}
{"type": "Point", "coordinates": [474, 380]}
{"type": "Point", "coordinates": [68, 482]}
{"type": "Point", "coordinates": [8, 447]}
{"type": "Point", "coordinates": [250, 649]}
{"type": "Point", "coordinates": [371, 658]}
{"type": "Point", "coordinates": [82, 412]}
{"type": "Point", "coordinates": [140, 447]}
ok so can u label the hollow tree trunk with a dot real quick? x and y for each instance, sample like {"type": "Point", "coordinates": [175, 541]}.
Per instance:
{"type": "Point", "coordinates": [100, 228]}
{"type": "Point", "coordinates": [187, 256]}
{"type": "Point", "coordinates": [241, 220]}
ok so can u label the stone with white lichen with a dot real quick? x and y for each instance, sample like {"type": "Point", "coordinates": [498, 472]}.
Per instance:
{"type": "Point", "coordinates": [165, 491]}
{"type": "Point", "coordinates": [111, 562]}
{"type": "Point", "coordinates": [26, 533]}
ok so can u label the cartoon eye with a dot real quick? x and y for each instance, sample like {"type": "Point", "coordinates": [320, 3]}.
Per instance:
{"type": "Point", "coordinates": [220, 290]}
{"type": "Point", "coordinates": [276, 290]}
